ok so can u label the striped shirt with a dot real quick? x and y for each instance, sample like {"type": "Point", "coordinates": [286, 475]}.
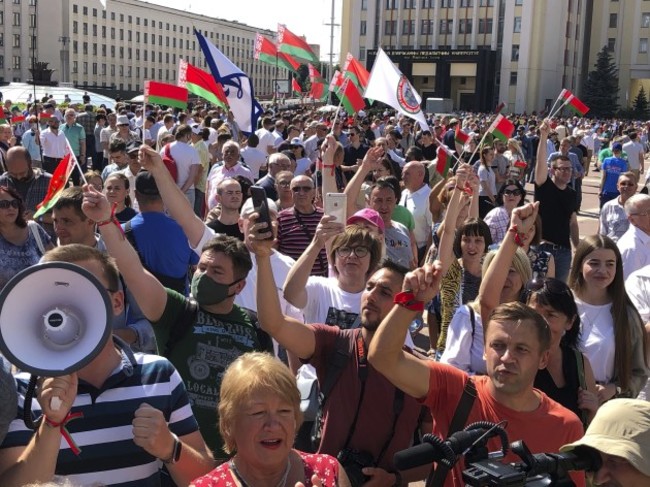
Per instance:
{"type": "Point", "coordinates": [295, 233]}
{"type": "Point", "coordinates": [104, 433]}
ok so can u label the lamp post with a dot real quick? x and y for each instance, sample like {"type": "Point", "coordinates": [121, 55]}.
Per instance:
{"type": "Point", "coordinates": [65, 40]}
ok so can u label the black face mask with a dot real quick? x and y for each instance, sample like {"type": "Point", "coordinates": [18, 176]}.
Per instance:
{"type": "Point", "coordinates": [208, 292]}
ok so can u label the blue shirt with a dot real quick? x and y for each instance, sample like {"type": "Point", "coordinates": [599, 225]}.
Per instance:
{"type": "Point", "coordinates": [28, 141]}
{"type": "Point", "coordinates": [612, 169]}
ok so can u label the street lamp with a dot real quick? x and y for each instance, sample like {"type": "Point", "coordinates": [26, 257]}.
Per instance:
{"type": "Point", "coordinates": [65, 40]}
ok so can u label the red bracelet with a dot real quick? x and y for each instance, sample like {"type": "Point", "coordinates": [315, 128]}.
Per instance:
{"type": "Point", "coordinates": [519, 237]}
{"type": "Point", "coordinates": [112, 219]}
{"type": "Point", "coordinates": [407, 299]}
{"type": "Point", "coordinates": [320, 166]}
{"type": "Point", "coordinates": [64, 431]}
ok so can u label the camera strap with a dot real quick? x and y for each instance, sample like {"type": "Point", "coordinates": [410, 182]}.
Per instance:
{"type": "Point", "coordinates": [398, 399]}
{"type": "Point", "coordinates": [437, 478]}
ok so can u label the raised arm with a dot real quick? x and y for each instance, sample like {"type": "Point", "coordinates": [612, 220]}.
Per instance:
{"type": "Point", "coordinates": [489, 295]}
{"type": "Point", "coordinates": [435, 207]}
{"type": "Point", "coordinates": [175, 201]}
{"type": "Point", "coordinates": [370, 161]}
{"type": "Point", "coordinates": [446, 246]}
{"type": "Point", "coordinates": [328, 171]}
{"type": "Point", "coordinates": [385, 353]}
{"type": "Point", "coordinates": [541, 168]}
{"type": "Point", "coordinates": [293, 335]}
{"type": "Point", "coordinates": [145, 288]}
{"type": "Point", "coordinates": [295, 291]}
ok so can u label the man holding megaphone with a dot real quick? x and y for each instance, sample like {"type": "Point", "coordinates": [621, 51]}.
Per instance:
{"type": "Point", "coordinates": [118, 418]}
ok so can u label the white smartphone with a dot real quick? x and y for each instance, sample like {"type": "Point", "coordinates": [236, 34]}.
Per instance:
{"type": "Point", "coordinates": [336, 205]}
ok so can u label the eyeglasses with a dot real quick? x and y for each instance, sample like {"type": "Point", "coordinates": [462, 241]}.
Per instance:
{"type": "Point", "coordinates": [303, 189]}
{"type": "Point", "coordinates": [284, 184]}
{"type": "Point", "coordinates": [563, 168]}
{"type": "Point", "coordinates": [347, 251]}
{"type": "Point", "coordinates": [641, 213]}
{"type": "Point", "coordinates": [512, 192]}
{"type": "Point", "coordinates": [6, 204]}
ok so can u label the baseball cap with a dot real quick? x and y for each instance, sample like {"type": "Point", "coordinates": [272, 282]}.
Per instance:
{"type": "Point", "coordinates": [146, 184]}
{"type": "Point", "coordinates": [122, 120]}
{"type": "Point", "coordinates": [297, 142]}
{"type": "Point", "coordinates": [617, 146]}
{"type": "Point", "coordinates": [247, 209]}
{"type": "Point", "coordinates": [368, 215]}
{"type": "Point", "coordinates": [133, 146]}
{"type": "Point", "coordinates": [621, 428]}
{"type": "Point", "coordinates": [196, 129]}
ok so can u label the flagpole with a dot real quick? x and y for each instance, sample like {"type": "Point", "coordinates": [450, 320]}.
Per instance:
{"type": "Point", "coordinates": [556, 100]}
{"type": "Point", "coordinates": [76, 161]}
{"type": "Point", "coordinates": [489, 130]}
{"type": "Point", "coordinates": [568, 100]}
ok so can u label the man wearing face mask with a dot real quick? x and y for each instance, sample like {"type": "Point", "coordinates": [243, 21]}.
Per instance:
{"type": "Point", "coordinates": [31, 183]}
{"type": "Point", "coordinates": [201, 336]}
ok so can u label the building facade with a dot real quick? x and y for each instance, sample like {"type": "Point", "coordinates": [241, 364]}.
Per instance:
{"type": "Point", "coordinates": [624, 27]}
{"type": "Point", "coordinates": [537, 47]}
{"type": "Point", "coordinates": [121, 47]}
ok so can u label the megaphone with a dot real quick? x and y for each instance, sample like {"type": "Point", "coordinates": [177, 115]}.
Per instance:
{"type": "Point", "coordinates": [55, 318]}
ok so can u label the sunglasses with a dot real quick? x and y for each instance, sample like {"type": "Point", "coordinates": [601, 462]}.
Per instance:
{"type": "Point", "coordinates": [512, 192]}
{"type": "Point", "coordinates": [301, 189]}
{"type": "Point", "coordinates": [348, 251]}
{"type": "Point", "coordinates": [6, 204]}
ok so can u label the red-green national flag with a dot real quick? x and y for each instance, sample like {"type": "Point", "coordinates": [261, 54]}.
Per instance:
{"type": "Point", "coordinates": [314, 74]}
{"type": "Point", "coordinates": [444, 159]}
{"type": "Point", "coordinates": [165, 94]}
{"type": "Point", "coordinates": [461, 137]}
{"type": "Point", "coordinates": [290, 43]}
{"type": "Point", "coordinates": [318, 91]}
{"type": "Point", "coordinates": [3, 121]}
{"type": "Point", "coordinates": [295, 86]}
{"type": "Point", "coordinates": [572, 101]}
{"type": "Point", "coordinates": [17, 119]}
{"type": "Point", "coordinates": [44, 116]}
{"type": "Point", "coordinates": [57, 185]}
{"type": "Point", "coordinates": [502, 128]}
{"type": "Point", "coordinates": [356, 71]}
{"type": "Point", "coordinates": [351, 97]}
{"type": "Point", "coordinates": [267, 52]}
{"type": "Point", "coordinates": [337, 81]}
{"type": "Point", "coordinates": [201, 83]}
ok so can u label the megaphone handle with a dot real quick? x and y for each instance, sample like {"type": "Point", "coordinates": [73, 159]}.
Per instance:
{"type": "Point", "coordinates": [27, 407]}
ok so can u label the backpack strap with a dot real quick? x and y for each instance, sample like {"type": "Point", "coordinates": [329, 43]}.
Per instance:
{"type": "Point", "coordinates": [183, 323]}
{"type": "Point", "coordinates": [264, 339]}
{"type": "Point", "coordinates": [33, 229]}
{"type": "Point", "coordinates": [472, 318]}
{"type": "Point", "coordinates": [580, 362]}
{"type": "Point", "coordinates": [437, 477]}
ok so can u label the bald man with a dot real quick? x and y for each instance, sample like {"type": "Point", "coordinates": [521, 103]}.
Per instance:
{"type": "Point", "coordinates": [415, 198]}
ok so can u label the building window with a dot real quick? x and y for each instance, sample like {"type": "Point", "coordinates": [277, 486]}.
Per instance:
{"type": "Point", "coordinates": [16, 40]}
{"type": "Point", "coordinates": [75, 8]}
{"type": "Point", "coordinates": [389, 28]}
{"type": "Point", "coordinates": [513, 78]}
{"type": "Point", "coordinates": [85, 28]}
{"type": "Point", "coordinates": [137, 54]}
{"type": "Point", "coordinates": [390, 5]}
{"type": "Point", "coordinates": [112, 51]}
{"type": "Point", "coordinates": [517, 26]}
{"type": "Point", "coordinates": [85, 48]}
{"type": "Point", "coordinates": [95, 30]}
{"type": "Point", "coordinates": [84, 10]}
{"type": "Point", "coordinates": [446, 26]}
{"type": "Point", "coordinates": [409, 4]}
{"type": "Point", "coordinates": [113, 33]}
{"type": "Point", "coordinates": [75, 47]}
{"type": "Point", "coordinates": [408, 27]}
{"type": "Point", "coordinates": [32, 21]}
{"type": "Point", "coordinates": [2, 17]}
{"type": "Point", "coordinates": [16, 62]}
{"type": "Point", "coordinates": [103, 69]}
{"type": "Point", "coordinates": [121, 34]}
{"type": "Point", "coordinates": [2, 39]}
{"type": "Point", "coordinates": [485, 26]}
{"type": "Point", "coordinates": [94, 49]}
{"type": "Point", "coordinates": [645, 20]}
{"type": "Point", "coordinates": [104, 31]}
{"type": "Point", "coordinates": [466, 3]}
{"type": "Point", "coordinates": [130, 19]}
{"type": "Point", "coordinates": [465, 26]}
{"type": "Point", "coordinates": [146, 22]}
{"type": "Point", "coordinates": [515, 53]}
{"type": "Point", "coordinates": [121, 17]}
{"type": "Point", "coordinates": [486, 3]}
{"type": "Point", "coordinates": [94, 12]}
{"type": "Point", "coordinates": [104, 50]}
{"type": "Point", "coordinates": [137, 21]}
{"type": "Point", "coordinates": [613, 20]}
{"type": "Point", "coordinates": [364, 4]}
{"type": "Point", "coordinates": [521, 2]}
{"type": "Point", "coordinates": [611, 44]}
{"type": "Point", "coordinates": [112, 70]}
{"type": "Point", "coordinates": [362, 28]}
{"type": "Point", "coordinates": [446, 3]}
{"type": "Point", "coordinates": [121, 70]}
{"type": "Point", "coordinates": [75, 27]}
{"type": "Point", "coordinates": [75, 67]}
{"type": "Point", "coordinates": [643, 45]}
{"type": "Point", "coordinates": [427, 27]}
{"type": "Point", "coordinates": [95, 69]}
{"type": "Point", "coordinates": [137, 37]}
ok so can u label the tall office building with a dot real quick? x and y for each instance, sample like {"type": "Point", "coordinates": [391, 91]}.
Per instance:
{"type": "Point", "coordinates": [476, 52]}
{"type": "Point", "coordinates": [121, 47]}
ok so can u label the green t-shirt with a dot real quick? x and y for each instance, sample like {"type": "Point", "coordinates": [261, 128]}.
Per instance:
{"type": "Point", "coordinates": [607, 152]}
{"type": "Point", "coordinates": [202, 355]}
{"type": "Point", "coordinates": [403, 216]}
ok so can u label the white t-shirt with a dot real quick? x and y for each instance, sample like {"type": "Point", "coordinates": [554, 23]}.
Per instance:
{"type": "Point", "coordinates": [462, 350]}
{"type": "Point", "coordinates": [633, 150]}
{"type": "Point", "coordinates": [267, 139]}
{"type": "Point", "coordinates": [185, 157]}
{"type": "Point", "coordinates": [302, 166]}
{"type": "Point", "coordinates": [487, 175]}
{"type": "Point", "coordinates": [418, 204]}
{"type": "Point", "coordinates": [325, 299]}
{"type": "Point", "coordinates": [254, 159]}
{"type": "Point", "coordinates": [597, 338]}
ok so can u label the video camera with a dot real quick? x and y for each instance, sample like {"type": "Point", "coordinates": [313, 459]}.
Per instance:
{"type": "Point", "coordinates": [483, 467]}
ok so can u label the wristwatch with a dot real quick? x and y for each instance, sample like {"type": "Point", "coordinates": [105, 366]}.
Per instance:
{"type": "Point", "coordinates": [176, 452]}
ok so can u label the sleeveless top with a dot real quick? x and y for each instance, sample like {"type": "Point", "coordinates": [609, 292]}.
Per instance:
{"type": "Point", "coordinates": [567, 396]}
{"type": "Point", "coordinates": [325, 467]}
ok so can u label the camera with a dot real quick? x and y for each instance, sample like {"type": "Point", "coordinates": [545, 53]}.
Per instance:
{"type": "Point", "coordinates": [353, 461]}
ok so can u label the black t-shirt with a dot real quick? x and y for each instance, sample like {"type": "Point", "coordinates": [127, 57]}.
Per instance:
{"type": "Point", "coordinates": [555, 209]}
{"type": "Point", "coordinates": [230, 230]}
{"type": "Point", "coordinates": [429, 152]}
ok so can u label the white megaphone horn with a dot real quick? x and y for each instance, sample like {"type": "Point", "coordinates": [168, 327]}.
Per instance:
{"type": "Point", "coordinates": [54, 319]}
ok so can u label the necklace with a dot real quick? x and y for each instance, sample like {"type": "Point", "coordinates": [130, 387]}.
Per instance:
{"type": "Point", "coordinates": [239, 476]}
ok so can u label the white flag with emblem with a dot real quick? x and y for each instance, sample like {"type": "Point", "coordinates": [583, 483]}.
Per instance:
{"type": "Point", "coordinates": [387, 84]}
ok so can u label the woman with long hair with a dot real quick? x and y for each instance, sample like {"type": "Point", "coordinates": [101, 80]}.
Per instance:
{"type": "Point", "coordinates": [116, 189]}
{"type": "Point", "coordinates": [542, 262]}
{"type": "Point", "coordinates": [612, 335]}
{"type": "Point", "coordinates": [22, 243]}
{"type": "Point", "coordinates": [488, 189]}
{"type": "Point", "coordinates": [510, 196]}
{"type": "Point", "coordinates": [515, 155]}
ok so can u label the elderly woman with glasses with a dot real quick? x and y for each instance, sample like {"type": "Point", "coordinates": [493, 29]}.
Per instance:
{"type": "Point", "coordinates": [22, 243]}
{"type": "Point", "coordinates": [259, 414]}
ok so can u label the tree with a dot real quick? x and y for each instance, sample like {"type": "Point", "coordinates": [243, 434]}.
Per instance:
{"type": "Point", "coordinates": [641, 105]}
{"type": "Point", "coordinates": [600, 91]}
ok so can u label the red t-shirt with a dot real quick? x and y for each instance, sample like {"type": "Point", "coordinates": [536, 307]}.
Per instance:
{"type": "Point", "coordinates": [544, 430]}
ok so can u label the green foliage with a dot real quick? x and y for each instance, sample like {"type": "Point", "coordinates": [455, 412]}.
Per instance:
{"type": "Point", "coordinates": [600, 91]}
{"type": "Point", "coordinates": [641, 106]}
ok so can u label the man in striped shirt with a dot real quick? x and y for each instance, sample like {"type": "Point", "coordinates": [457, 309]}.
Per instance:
{"type": "Point", "coordinates": [135, 411]}
{"type": "Point", "coordinates": [297, 225]}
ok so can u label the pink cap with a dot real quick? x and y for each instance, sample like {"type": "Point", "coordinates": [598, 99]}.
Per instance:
{"type": "Point", "coordinates": [368, 215]}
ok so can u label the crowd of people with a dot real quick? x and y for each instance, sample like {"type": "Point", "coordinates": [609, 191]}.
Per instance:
{"type": "Point", "coordinates": [271, 343]}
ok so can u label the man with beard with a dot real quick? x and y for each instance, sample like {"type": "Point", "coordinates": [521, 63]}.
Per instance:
{"type": "Point", "coordinates": [500, 163]}
{"type": "Point", "coordinates": [362, 411]}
